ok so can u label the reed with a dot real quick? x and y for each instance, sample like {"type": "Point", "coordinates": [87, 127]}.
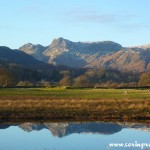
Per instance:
{"type": "Point", "coordinates": [89, 104]}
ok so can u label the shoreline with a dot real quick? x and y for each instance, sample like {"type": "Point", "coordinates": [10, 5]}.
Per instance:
{"type": "Point", "coordinates": [74, 105]}
{"type": "Point", "coordinates": [42, 110]}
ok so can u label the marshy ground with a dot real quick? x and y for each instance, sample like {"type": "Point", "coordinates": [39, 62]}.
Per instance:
{"type": "Point", "coordinates": [74, 104]}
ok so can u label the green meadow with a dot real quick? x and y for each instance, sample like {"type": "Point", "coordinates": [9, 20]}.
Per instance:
{"type": "Point", "coordinates": [62, 92]}
{"type": "Point", "coordinates": [59, 103]}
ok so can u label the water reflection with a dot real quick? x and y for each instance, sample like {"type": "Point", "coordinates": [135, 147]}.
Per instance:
{"type": "Point", "coordinates": [70, 136]}
{"type": "Point", "coordinates": [64, 129]}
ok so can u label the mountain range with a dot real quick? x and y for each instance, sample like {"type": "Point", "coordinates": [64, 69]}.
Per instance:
{"type": "Point", "coordinates": [17, 58]}
{"type": "Point", "coordinates": [18, 66]}
{"type": "Point", "coordinates": [106, 54]}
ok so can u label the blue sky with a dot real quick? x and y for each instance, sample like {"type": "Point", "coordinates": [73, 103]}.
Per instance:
{"type": "Point", "coordinates": [39, 21]}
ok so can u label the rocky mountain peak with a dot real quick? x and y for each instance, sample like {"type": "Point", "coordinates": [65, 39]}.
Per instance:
{"type": "Point", "coordinates": [35, 51]}
{"type": "Point", "coordinates": [98, 54]}
{"type": "Point", "coordinates": [59, 43]}
{"type": "Point", "coordinates": [31, 48]}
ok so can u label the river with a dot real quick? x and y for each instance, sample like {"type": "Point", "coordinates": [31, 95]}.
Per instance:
{"type": "Point", "coordinates": [75, 136]}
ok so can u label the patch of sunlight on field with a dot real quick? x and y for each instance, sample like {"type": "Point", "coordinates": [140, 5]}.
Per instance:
{"type": "Point", "coordinates": [62, 92]}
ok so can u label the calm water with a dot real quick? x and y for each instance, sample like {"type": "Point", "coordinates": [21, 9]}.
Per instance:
{"type": "Point", "coordinates": [72, 136]}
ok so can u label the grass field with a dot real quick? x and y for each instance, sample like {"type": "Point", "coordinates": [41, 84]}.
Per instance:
{"type": "Point", "coordinates": [61, 92]}
{"type": "Point", "coordinates": [74, 104]}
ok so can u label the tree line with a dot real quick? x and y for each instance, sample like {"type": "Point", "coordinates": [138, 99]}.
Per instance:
{"type": "Point", "coordinates": [17, 76]}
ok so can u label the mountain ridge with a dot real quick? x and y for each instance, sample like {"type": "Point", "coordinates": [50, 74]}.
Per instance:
{"type": "Point", "coordinates": [21, 58]}
{"type": "Point", "coordinates": [106, 54]}
{"type": "Point", "coordinates": [62, 51]}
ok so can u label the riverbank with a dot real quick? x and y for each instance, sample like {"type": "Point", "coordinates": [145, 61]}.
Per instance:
{"type": "Point", "coordinates": [74, 105]}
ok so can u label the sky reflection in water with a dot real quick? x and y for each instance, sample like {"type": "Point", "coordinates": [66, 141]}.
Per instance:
{"type": "Point", "coordinates": [71, 136]}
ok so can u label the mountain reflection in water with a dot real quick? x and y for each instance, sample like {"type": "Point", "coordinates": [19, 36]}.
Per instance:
{"type": "Point", "coordinates": [71, 136]}
{"type": "Point", "coordinates": [64, 129]}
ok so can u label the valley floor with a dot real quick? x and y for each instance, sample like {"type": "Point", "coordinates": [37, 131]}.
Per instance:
{"type": "Point", "coordinates": [60, 104]}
